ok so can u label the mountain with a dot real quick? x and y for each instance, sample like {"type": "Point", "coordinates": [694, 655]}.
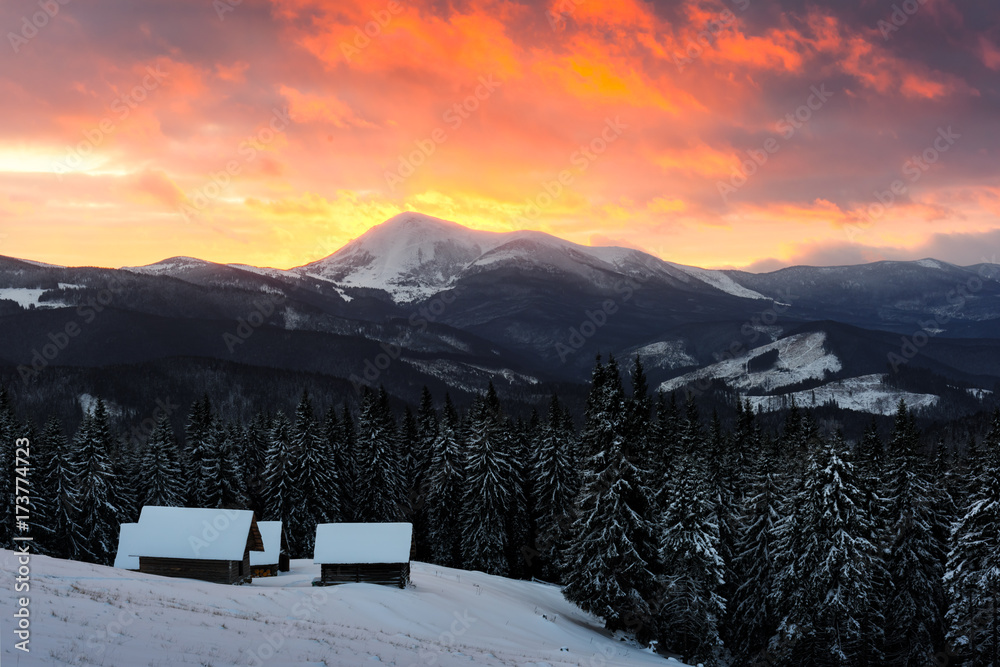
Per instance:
{"type": "Point", "coordinates": [417, 300]}
{"type": "Point", "coordinates": [413, 257]}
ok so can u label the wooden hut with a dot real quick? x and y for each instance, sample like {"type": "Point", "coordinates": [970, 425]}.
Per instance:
{"type": "Point", "coordinates": [208, 544]}
{"type": "Point", "coordinates": [126, 541]}
{"type": "Point", "coordinates": [274, 558]}
{"type": "Point", "coordinates": [374, 553]}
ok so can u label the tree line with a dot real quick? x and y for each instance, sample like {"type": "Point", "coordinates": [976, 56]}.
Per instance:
{"type": "Point", "coordinates": [720, 545]}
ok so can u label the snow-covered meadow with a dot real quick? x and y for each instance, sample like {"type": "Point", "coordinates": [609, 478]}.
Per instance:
{"type": "Point", "coordinates": [86, 614]}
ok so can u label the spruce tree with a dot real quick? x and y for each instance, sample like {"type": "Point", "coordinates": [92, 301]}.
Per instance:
{"type": "Point", "coordinates": [43, 451]}
{"type": "Point", "coordinates": [94, 482]}
{"type": "Point", "coordinates": [255, 444]}
{"type": "Point", "coordinates": [613, 553]}
{"type": "Point", "coordinates": [379, 488]}
{"type": "Point", "coordinates": [755, 615]}
{"type": "Point", "coordinates": [828, 568]}
{"type": "Point", "coordinates": [316, 481]}
{"type": "Point", "coordinates": [160, 480]}
{"type": "Point", "coordinates": [423, 449]}
{"type": "Point", "coordinates": [281, 482]}
{"type": "Point", "coordinates": [691, 608]}
{"type": "Point", "coordinates": [445, 489]}
{"type": "Point", "coordinates": [67, 534]}
{"type": "Point", "coordinates": [915, 552]}
{"type": "Point", "coordinates": [556, 485]}
{"type": "Point", "coordinates": [489, 493]}
{"type": "Point", "coordinates": [204, 474]}
{"type": "Point", "coordinates": [345, 456]}
{"type": "Point", "coordinates": [972, 578]}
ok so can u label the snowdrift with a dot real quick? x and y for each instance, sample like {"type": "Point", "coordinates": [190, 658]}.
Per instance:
{"type": "Point", "coordinates": [86, 614]}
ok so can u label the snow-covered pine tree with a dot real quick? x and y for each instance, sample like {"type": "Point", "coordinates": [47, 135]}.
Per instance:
{"type": "Point", "coordinates": [334, 442]}
{"type": "Point", "coordinates": [489, 492]}
{"type": "Point", "coordinates": [905, 436]}
{"type": "Point", "coordinates": [915, 553]}
{"type": "Point", "coordinates": [94, 482]}
{"type": "Point", "coordinates": [280, 480]}
{"type": "Point", "coordinates": [691, 609]}
{"type": "Point", "coordinates": [346, 458]}
{"type": "Point", "coordinates": [914, 602]}
{"type": "Point", "coordinates": [232, 470]}
{"type": "Point", "coordinates": [410, 460]}
{"type": "Point", "coordinates": [255, 442]}
{"type": "Point", "coordinates": [423, 448]}
{"type": "Point", "coordinates": [610, 562]}
{"type": "Point", "coordinates": [828, 568]}
{"type": "Point", "coordinates": [515, 441]}
{"type": "Point", "coordinates": [556, 485]}
{"type": "Point", "coordinates": [754, 616]}
{"type": "Point", "coordinates": [379, 487]}
{"type": "Point", "coordinates": [42, 497]}
{"type": "Point", "coordinates": [972, 579]}
{"type": "Point", "coordinates": [444, 490]}
{"type": "Point", "coordinates": [204, 467]}
{"type": "Point", "coordinates": [66, 529]}
{"type": "Point", "coordinates": [638, 413]}
{"type": "Point", "coordinates": [160, 479]}
{"type": "Point", "coordinates": [316, 480]}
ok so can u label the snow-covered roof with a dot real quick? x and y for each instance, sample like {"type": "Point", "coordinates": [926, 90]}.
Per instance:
{"type": "Point", "coordinates": [348, 543]}
{"type": "Point", "coordinates": [270, 532]}
{"type": "Point", "coordinates": [126, 539]}
{"type": "Point", "coordinates": [196, 533]}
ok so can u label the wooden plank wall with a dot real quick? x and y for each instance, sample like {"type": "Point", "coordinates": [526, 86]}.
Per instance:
{"type": "Point", "coordinates": [387, 574]}
{"type": "Point", "coordinates": [214, 571]}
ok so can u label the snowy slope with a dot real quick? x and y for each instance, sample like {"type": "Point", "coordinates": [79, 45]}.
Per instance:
{"type": "Point", "coordinates": [719, 280]}
{"type": "Point", "coordinates": [800, 357]}
{"type": "Point", "coordinates": [90, 615]}
{"type": "Point", "coordinates": [865, 393]}
{"type": "Point", "coordinates": [27, 297]}
{"type": "Point", "coordinates": [169, 267]}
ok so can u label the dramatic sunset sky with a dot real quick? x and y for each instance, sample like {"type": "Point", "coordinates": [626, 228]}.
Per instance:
{"type": "Point", "coordinates": [119, 119]}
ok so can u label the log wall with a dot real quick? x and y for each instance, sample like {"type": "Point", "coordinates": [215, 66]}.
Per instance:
{"type": "Point", "coordinates": [387, 574]}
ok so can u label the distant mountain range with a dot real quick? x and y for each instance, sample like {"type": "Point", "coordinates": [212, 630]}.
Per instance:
{"type": "Point", "coordinates": [417, 300]}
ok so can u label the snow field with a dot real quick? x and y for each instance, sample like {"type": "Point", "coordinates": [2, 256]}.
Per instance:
{"type": "Point", "coordinates": [85, 614]}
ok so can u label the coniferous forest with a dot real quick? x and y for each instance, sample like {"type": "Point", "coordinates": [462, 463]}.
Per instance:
{"type": "Point", "coordinates": [720, 543]}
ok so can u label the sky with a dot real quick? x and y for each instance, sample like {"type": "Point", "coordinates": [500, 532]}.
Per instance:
{"type": "Point", "coordinates": [721, 133]}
